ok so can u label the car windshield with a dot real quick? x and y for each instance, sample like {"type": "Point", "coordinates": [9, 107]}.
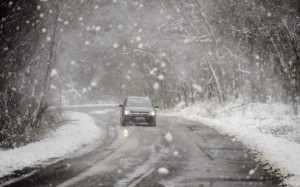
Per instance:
{"type": "Point", "coordinates": [138, 102]}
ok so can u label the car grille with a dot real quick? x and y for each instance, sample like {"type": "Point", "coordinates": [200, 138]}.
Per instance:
{"type": "Point", "coordinates": [140, 113]}
{"type": "Point", "coordinates": [140, 117]}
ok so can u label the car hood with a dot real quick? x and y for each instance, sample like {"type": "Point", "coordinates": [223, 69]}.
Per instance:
{"type": "Point", "coordinates": [139, 109]}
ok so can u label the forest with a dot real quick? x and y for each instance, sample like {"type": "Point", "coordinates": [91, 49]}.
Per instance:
{"type": "Point", "coordinates": [55, 53]}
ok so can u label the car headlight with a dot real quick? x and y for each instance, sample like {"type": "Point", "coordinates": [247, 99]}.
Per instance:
{"type": "Point", "coordinates": [127, 112]}
{"type": "Point", "coordinates": [152, 113]}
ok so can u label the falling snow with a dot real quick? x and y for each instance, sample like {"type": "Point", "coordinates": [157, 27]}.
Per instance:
{"type": "Point", "coordinates": [168, 137]}
{"type": "Point", "coordinates": [163, 171]}
{"type": "Point", "coordinates": [193, 58]}
{"type": "Point", "coordinates": [53, 73]}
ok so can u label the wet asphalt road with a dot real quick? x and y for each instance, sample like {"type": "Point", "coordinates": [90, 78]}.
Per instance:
{"type": "Point", "coordinates": [175, 153]}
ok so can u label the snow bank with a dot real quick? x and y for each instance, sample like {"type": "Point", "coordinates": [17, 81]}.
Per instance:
{"type": "Point", "coordinates": [66, 139]}
{"type": "Point", "coordinates": [269, 130]}
{"type": "Point", "coordinates": [103, 111]}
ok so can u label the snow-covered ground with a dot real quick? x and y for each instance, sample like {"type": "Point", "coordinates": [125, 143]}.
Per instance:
{"type": "Point", "coordinates": [90, 105]}
{"type": "Point", "coordinates": [66, 139]}
{"type": "Point", "coordinates": [103, 111]}
{"type": "Point", "coordinates": [271, 131]}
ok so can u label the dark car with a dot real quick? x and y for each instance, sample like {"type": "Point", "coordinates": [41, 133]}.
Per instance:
{"type": "Point", "coordinates": [138, 110]}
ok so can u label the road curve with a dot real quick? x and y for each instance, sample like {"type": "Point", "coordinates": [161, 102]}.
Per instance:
{"type": "Point", "coordinates": [175, 153]}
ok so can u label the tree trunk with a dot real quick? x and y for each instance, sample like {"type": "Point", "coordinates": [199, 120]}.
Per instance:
{"type": "Point", "coordinates": [220, 93]}
{"type": "Point", "coordinates": [192, 92]}
{"type": "Point", "coordinates": [185, 95]}
{"type": "Point", "coordinates": [253, 93]}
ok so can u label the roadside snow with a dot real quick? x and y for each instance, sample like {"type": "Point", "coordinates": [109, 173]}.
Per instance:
{"type": "Point", "coordinates": [90, 105]}
{"type": "Point", "coordinates": [65, 140]}
{"type": "Point", "coordinates": [269, 130]}
{"type": "Point", "coordinates": [103, 111]}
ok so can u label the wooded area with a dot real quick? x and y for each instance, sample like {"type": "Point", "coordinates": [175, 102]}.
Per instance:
{"type": "Point", "coordinates": [28, 42]}
{"type": "Point", "coordinates": [81, 51]}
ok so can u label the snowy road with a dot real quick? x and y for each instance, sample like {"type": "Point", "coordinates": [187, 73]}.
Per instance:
{"type": "Point", "coordinates": [175, 153]}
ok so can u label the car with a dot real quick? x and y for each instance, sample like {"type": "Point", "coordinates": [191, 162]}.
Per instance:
{"type": "Point", "coordinates": [138, 111]}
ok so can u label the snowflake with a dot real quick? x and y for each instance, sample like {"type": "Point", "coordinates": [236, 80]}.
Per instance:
{"type": "Point", "coordinates": [141, 45]}
{"type": "Point", "coordinates": [169, 137]}
{"type": "Point", "coordinates": [160, 77]}
{"type": "Point", "coordinates": [94, 84]}
{"type": "Point", "coordinates": [163, 171]}
{"type": "Point", "coordinates": [53, 87]}
{"type": "Point", "coordinates": [48, 38]}
{"type": "Point", "coordinates": [98, 28]}
{"type": "Point", "coordinates": [53, 73]}
{"type": "Point", "coordinates": [186, 41]}
{"type": "Point", "coordinates": [116, 45]}
{"type": "Point", "coordinates": [175, 153]}
{"type": "Point", "coordinates": [156, 86]}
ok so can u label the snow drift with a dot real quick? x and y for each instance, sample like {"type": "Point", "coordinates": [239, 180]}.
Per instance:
{"type": "Point", "coordinates": [271, 131]}
{"type": "Point", "coordinates": [66, 139]}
